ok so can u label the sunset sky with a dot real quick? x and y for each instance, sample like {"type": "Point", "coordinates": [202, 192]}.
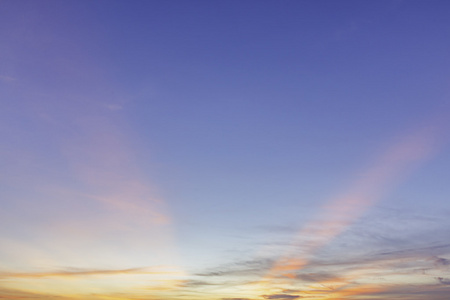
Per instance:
{"type": "Point", "coordinates": [225, 150]}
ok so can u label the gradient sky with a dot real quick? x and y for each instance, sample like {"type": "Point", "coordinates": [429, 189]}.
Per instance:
{"type": "Point", "coordinates": [224, 150]}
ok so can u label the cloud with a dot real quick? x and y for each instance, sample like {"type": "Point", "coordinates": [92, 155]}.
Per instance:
{"type": "Point", "coordinates": [369, 261]}
{"type": "Point", "coordinates": [197, 283]}
{"type": "Point", "coordinates": [429, 250]}
{"type": "Point", "coordinates": [290, 291]}
{"type": "Point", "coordinates": [399, 260]}
{"type": "Point", "coordinates": [241, 268]}
{"type": "Point", "coordinates": [442, 261]}
{"type": "Point", "coordinates": [100, 156]}
{"type": "Point", "coordinates": [279, 229]}
{"type": "Point", "coordinates": [445, 281]}
{"type": "Point", "coordinates": [280, 296]}
{"type": "Point", "coordinates": [400, 292]}
{"type": "Point", "coordinates": [346, 273]}
{"type": "Point", "coordinates": [394, 164]}
{"type": "Point", "coordinates": [114, 107]}
{"type": "Point", "coordinates": [5, 78]}
{"type": "Point", "coordinates": [7, 293]}
{"type": "Point", "coordinates": [79, 273]}
{"type": "Point", "coordinates": [316, 277]}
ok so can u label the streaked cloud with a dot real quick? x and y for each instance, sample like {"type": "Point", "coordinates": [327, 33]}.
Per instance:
{"type": "Point", "coordinates": [101, 157]}
{"type": "Point", "coordinates": [379, 267]}
{"type": "Point", "coordinates": [114, 107]}
{"type": "Point", "coordinates": [6, 78]}
{"type": "Point", "coordinates": [445, 281]}
{"type": "Point", "coordinates": [281, 296]}
{"type": "Point", "coordinates": [399, 160]}
{"type": "Point", "coordinates": [254, 267]}
{"type": "Point", "coordinates": [7, 293]}
{"type": "Point", "coordinates": [79, 273]}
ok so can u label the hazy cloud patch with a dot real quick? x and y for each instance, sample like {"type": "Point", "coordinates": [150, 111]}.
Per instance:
{"type": "Point", "coordinates": [315, 277]}
{"type": "Point", "coordinates": [445, 281]}
{"type": "Point", "coordinates": [114, 107]}
{"type": "Point", "coordinates": [442, 261]}
{"type": "Point", "coordinates": [197, 283]}
{"type": "Point", "coordinates": [7, 293]}
{"type": "Point", "coordinates": [5, 78]}
{"type": "Point", "coordinates": [78, 272]}
{"type": "Point", "coordinates": [281, 296]}
{"type": "Point", "coordinates": [242, 268]}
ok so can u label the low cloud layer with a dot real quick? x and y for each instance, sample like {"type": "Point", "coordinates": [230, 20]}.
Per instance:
{"type": "Point", "coordinates": [280, 297]}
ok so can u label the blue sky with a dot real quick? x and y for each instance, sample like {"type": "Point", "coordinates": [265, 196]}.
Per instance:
{"type": "Point", "coordinates": [224, 149]}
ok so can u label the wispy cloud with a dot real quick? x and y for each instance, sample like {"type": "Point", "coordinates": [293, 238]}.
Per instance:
{"type": "Point", "coordinates": [254, 267]}
{"type": "Point", "coordinates": [92, 204]}
{"type": "Point", "coordinates": [281, 296]}
{"type": "Point", "coordinates": [368, 266]}
{"type": "Point", "coordinates": [337, 214]}
{"type": "Point", "coordinates": [7, 293]}
{"type": "Point", "coordinates": [71, 283]}
{"type": "Point", "coordinates": [114, 107]}
{"type": "Point", "coordinates": [445, 281]}
{"type": "Point", "coordinates": [6, 78]}
{"type": "Point", "coordinates": [80, 273]}
{"type": "Point", "coordinates": [442, 262]}
{"type": "Point", "coordinates": [197, 283]}
{"type": "Point", "coordinates": [100, 156]}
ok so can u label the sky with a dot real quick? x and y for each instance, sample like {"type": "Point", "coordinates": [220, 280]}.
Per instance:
{"type": "Point", "coordinates": [224, 150]}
